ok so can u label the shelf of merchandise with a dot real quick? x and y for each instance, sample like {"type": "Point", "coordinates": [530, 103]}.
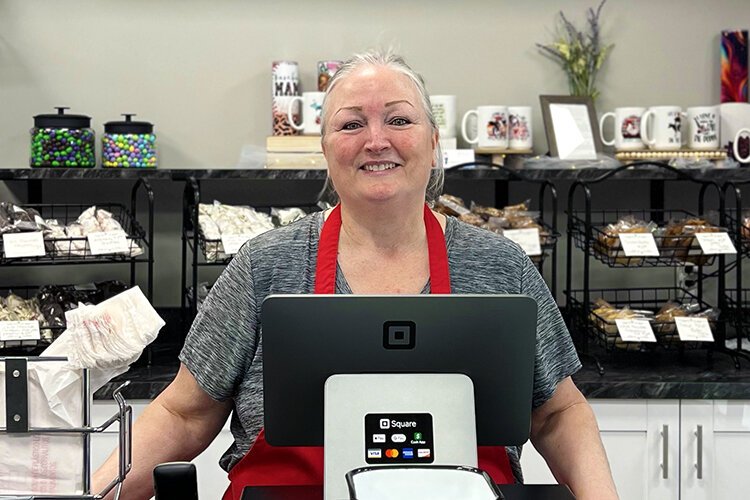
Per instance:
{"type": "Point", "coordinates": [586, 233]}
{"type": "Point", "coordinates": [76, 251]}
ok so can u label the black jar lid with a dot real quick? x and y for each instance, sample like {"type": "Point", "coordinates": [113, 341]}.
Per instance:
{"type": "Point", "coordinates": [128, 126]}
{"type": "Point", "coordinates": [61, 120]}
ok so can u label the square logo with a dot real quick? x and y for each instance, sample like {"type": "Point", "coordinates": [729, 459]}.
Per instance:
{"type": "Point", "coordinates": [385, 423]}
{"type": "Point", "coordinates": [399, 334]}
{"type": "Point", "coordinates": [378, 438]}
{"type": "Point", "coordinates": [423, 452]}
{"type": "Point", "coordinates": [374, 453]}
{"type": "Point", "coordinates": [408, 452]}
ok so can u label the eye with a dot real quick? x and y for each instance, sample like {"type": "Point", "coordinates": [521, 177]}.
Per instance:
{"type": "Point", "coordinates": [351, 126]}
{"type": "Point", "coordinates": [400, 121]}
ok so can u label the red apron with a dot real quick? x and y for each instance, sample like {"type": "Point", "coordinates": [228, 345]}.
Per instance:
{"type": "Point", "coordinates": [266, 465]}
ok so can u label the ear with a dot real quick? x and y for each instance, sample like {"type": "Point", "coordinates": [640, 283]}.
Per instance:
{"type": "Point", "coordinates": [435, 141]}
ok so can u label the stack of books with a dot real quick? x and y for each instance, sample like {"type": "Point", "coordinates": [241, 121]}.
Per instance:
{"type": "Point", "coordinates": [295, 152]}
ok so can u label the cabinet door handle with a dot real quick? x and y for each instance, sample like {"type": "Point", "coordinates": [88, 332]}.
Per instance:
{"type": "Point", "coordinates": [699, 462]}
{"type": "Point", "coordinates": [665, 452]}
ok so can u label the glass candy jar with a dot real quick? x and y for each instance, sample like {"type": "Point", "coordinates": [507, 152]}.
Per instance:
{"type": "Point", "coordinates": [62, 140]}
{"type": "Point", "coordinates": [129, 144]}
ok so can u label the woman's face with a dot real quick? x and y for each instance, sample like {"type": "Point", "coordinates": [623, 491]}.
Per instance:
{"type": "Point", "coordinates": [379, 143]}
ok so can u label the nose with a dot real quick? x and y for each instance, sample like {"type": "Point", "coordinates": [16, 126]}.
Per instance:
{"type": "Point", "coordinates": [377, 138]}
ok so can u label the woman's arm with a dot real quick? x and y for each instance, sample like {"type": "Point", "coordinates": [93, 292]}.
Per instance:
{"type": "Point", "coordinates": [565, 432]}
{"type": "Point", "coordinates": [177, 425]}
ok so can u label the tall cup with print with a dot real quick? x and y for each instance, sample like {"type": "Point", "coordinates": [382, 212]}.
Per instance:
{"type": "Point", "coordinates": [735, 116]}
{"type": "Point", "coordinates": [627, 132]}
{"type": "Point", "coordinates": [444, 111]}
{"type": "Point", "coordinates": [519, 128]}
{"type": "Point", "coordinates": [492, 127]}
{"type": "Point", "coordinates": [666, 129]}
{"type": "Point", "coordinates": [703, 127]}
{"type": "Point", "coordinates": [312, 104]}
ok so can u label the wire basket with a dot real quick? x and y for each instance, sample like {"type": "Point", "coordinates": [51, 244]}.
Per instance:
{"type": "Point", "coordinates": [76, 249]}
{"type": "Point", "coordinates": [604, 330]}
{"type": "Point", "coordinates": [674, 250]}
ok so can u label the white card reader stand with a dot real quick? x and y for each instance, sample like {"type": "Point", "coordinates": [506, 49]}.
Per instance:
{"type": "Point", "coordinates": [365, 413]}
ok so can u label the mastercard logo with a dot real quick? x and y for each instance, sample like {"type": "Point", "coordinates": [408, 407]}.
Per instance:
{"type": "Point", "coordinates": [391, 453]}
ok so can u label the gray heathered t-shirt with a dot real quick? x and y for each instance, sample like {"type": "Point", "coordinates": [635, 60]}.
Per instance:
{"type": "Point", "coordinates": [224, 350]}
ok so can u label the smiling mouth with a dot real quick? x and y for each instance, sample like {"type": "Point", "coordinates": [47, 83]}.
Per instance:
{"type": "Point", "coordinates": [378, 167]}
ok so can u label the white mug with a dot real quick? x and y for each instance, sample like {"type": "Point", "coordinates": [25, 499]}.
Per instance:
{"type": "Point", "coordinates": [312, 104]}
{"type": "Point", "coordinates": [627, 133]}
{"type": "Point", "coordinates": [667, 127]}
{"type": "Point", "coordinates": [519, 128]}
{"type": "Point", "coordinates": [444, 112]}
{"type": "Point", "coordinates": [703, 127]}
{"type": "Point", "coordinates": [492, 127]}
{"type": "Point", "coordinates": [734, 117]}
{"type": "Point", "coordinates": [741, 145]}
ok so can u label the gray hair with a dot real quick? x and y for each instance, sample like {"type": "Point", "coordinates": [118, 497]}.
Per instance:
{"type": "Point", "coordinates": [396, 63]}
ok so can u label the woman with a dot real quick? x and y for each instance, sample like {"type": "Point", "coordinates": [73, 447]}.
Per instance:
{"type": "Point", "coordinates": [381, 144]}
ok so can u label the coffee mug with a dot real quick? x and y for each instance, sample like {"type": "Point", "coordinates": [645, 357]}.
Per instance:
{"type": "Point", "coordinates": [734, 117]}
{"type": "Point", "coordinates": [312, 104]}
{"type": "Point", "coordinates": [741, 146]}
{"type": "Point", "coordinates": [444, 112]}
{"type": "Point", "coordinates": [667, 127]}
{"type": "Point", "coordinates": [627, 133]}
{"type": "Point", "coordinates": [703, 127]}
{"type": "Point", "coordinates": [492, 127]}
{"type": "Point", "coordinates": [519, 128]}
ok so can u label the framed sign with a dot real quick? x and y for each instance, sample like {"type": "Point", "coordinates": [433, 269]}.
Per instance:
{"type": "Point", "coordinates": [571, 127]}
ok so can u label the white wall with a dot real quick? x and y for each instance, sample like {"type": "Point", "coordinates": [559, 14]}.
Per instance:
{"type": "Point", "coordinates": [200, 70]}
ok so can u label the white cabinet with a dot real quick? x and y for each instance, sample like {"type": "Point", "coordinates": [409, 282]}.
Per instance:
{"type": "Point", "coordinates": [656, 449]}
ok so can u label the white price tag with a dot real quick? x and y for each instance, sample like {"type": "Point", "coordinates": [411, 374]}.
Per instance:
{"type": "Point", "coordinates": [106, 242]}
{"type": "Point", "coordinates": [715, 243]}
{"type": "Point", "coordinates": [694, 329]}
{"type": "Point", "coordinates": [233, 242]}
{"type": "Point", "coordinates": [528, 239]}
{"type": "Point", "coordinates": [19, 330]}
{"type": "Point", "coordinates": [23, 245]}
{"type": "Point", "coordinates": [639, 245]}
{"type": "Point", "coordinates": [453, 157]}
{"type": "Point", "coordinates": [635, 330]}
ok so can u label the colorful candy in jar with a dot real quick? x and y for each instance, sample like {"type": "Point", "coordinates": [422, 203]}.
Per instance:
{"type": "Point", "coordinates": [62, 140]}
{"type": "Point", "coordinates": [129, 144]}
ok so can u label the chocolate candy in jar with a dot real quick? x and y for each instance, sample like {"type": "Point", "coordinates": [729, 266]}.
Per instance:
{"type": "Point", "coordinates": [129, 144]}
{"type": "Point", "coordinates": [62, 140]}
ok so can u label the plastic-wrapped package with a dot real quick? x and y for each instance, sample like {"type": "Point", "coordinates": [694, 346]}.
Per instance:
{"type": "Point", "coordinates": [14, 219]}
{"type": "Point", "coordinates": [286, 216]}
{"type": "Point", "coordinates": [218, 219]}
{"type": "Point", "coordinates": [608, 242]}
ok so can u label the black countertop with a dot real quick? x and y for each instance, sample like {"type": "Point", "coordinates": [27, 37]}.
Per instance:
{"type": "Point", "coordinates": [631, 377]}
{"type": "Point", "coordinates": [644, 172]}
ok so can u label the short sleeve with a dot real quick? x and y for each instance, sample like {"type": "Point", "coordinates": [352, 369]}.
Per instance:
{"type": "Point", "coordinates": [224, 336]}
{"type": "Point", "coordinates": [556, 357]}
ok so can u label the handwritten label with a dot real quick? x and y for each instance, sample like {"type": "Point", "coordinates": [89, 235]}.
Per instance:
{"type": "Point", "coordinates": [23, 245]}
{"type": "Point", "coordinates": [233, 242]}
{"type": "Point", "coordinates": [694, 329]}
{"type": "Point", "coordinates": [107, 242]}
{"type": "Point", "coordinates": [715, 243]}
{"type": "Point", "coordinates": [528, 239]}
{"type": "Point", "coordinates": [635, 330]}
{"type": "Point", "coordinates": [19, 330]}
{"type": "Point", "coordinates": [639, 245]}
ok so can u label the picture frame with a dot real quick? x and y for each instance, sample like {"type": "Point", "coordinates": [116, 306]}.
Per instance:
{"type": "Point", "coordinates": [571, 127]}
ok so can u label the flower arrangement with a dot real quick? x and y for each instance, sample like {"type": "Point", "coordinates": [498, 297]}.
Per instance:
{"type": "Point", "coordinates": [580, 54]}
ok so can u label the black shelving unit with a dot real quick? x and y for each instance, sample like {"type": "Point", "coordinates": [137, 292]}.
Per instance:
{"type": "Point", "coordinates": [76, 251]}
{"type": "Point", "coordinates": [196, 247]}
{"type": "Point", "coordinates": [737, 297]}
{"type": "Point", "coordinates": [502, 176]}
{"type": "Point", "coordinates": [586, 233]}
